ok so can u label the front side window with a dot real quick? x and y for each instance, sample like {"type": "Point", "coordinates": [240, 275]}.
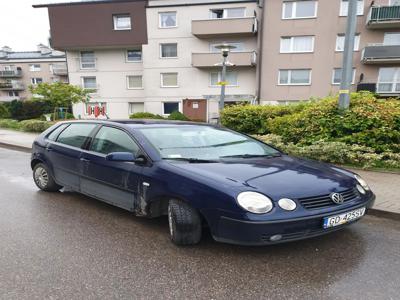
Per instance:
{"type": "Point", "coordinates": [170, 107]}
{"type": "Point", "coordinates": [337, 76]}
{"type": "Point", "coordinates": [135, 82]}
{"type": "Point", "coordinates": [297, 44]}
{"type": "Point", "coordinates": [34, 68]}
{"type": "Point", "coordinates": [109, 140]}
{"type": "Point", "coordinates": [295, 77]}
{"type": "Point", "coordinates": [391, 38]}
{"type": "Point", "coordinates": [203, 142]}
{"type": "Point", "coordinates": [168, 19]}
{"type": "Point", "coordinates": [344, 8]}
{"type": "Point", "coordinates": [231, 78]}
{"type": "Point", "coordinates": [36, 80]}
{"type": "Point", "coordinates": [122, 22]}
{"type": "Point", "coordinates": [75, 135]}
{"type": "Point", "coordinates": [389, 80]}
{"type": "Point", "coordinates": [169, 50]}
{"type": "Point", "coordinates": [88, 60]}
{"type": "Point", "coordinates": [89, 83]}
{"type": "Point", "coordinates": [169, 79]}
{"type": "Point", "coordinates": [134, 55]}
{"type": "Point", "coordinates": [340, 39]}
{"type": "Point", "coordinates": [54, 134]}
{"type": "Point", "coordinates": [299, 9]}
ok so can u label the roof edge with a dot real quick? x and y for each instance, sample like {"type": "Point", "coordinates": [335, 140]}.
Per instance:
{"type": "Point", "coordinates": [82, 3]}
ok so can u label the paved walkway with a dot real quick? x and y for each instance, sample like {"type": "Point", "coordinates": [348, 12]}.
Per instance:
{"type": "Point", "coordinates": [386, 186]}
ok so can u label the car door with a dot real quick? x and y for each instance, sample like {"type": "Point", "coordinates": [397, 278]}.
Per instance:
{"type": "Point", "coordinates": [65, 152]}
{"type": "Point", "coordinates": [112, 182]}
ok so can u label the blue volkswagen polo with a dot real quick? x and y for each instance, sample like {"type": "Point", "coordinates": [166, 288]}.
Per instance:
{"type": "Point", "coordinates": [200, 175]}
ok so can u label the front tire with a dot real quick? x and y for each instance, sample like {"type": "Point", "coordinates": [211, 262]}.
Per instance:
{"type": "Point", "coordinates": [184, 223]}
{"type": "Point", "coordinates": [43, 179]}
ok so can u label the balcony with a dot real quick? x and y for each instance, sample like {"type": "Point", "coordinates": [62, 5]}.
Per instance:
{"type": "Point", "coordinates": [225, 27]}
{"type": "Point", "coordinates": [10, 73]}
{"type": "Point", "coordinates": [384, 17]}
{"type": "Point", "coordinates": [12, 86]}
{"type": "Point", "coordinates": [239, 59]}
{"type": "Point", "coordinates": [381, 54]}
{"type": "Point", "coordinates": [60, 70]}
{"type": "Point", "coordinates": [384, 89]}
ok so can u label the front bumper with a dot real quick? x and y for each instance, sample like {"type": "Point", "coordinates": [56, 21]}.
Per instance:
{"type": "Point", "coordinates": [256, 233]}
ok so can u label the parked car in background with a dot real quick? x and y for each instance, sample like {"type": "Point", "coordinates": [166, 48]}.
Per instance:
{"type": "Point", "coordinates": [200, 175]}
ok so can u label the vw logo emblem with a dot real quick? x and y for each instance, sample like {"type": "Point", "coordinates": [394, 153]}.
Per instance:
{"type": "Point", "coordinates": [337, 198]}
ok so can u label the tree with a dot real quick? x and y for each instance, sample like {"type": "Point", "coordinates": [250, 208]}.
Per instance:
{"type": "Point", "coordinates": [59, 94]}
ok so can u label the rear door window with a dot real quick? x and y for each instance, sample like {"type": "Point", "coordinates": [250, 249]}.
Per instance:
{"type": "Point", "coordinates": [76, 134]}
{"type": "Point", "coordinates": [110, 139]}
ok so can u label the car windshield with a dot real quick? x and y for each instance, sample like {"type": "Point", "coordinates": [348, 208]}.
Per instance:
{"type": "Point", "coordinates": [204, 143]}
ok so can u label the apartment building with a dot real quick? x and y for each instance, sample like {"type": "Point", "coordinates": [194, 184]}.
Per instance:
{"type": "Point", "coordinates": [303, 42]}
{"type": "Point", "coordinates": [19, 70]}
{"type": "Point", "coordinates": [160, 55]}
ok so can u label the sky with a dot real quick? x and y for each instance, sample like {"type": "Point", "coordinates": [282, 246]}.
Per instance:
{"type": "Point", "coordinates": [23, 27]}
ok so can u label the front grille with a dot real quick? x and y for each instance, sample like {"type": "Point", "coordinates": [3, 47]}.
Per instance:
{"type": "Point", "coordinates": [326, 201]}
{"type": "Point", "coordinates": [266, 238]}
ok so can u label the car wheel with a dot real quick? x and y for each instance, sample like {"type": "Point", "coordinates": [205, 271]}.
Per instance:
{"type": "Point", "coordinates": [184, 223]}
{"type": "Point", "coordinates": [43, 179]}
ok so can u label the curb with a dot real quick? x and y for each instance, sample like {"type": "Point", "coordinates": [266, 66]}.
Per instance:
{"type": "Point", "coordinates": [15, 147]}
{"type": "Point", "coordinates": [384, 214]}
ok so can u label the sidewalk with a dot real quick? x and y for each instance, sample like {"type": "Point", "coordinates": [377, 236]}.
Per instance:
{"type": "Point", "coordinates": [386, 186]}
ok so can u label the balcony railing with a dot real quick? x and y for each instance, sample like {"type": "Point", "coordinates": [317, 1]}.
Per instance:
{"type": "Point", "coordinates": [209, 28]}
{"type": "Point", "coordinates": [12, 86]}
{"type": "Point", "coordinates": [10, 73]}
{"type": "Point", "coordinates": [381, 54]}
{"type": "Point", "coordinates": [60, 70]}
{"type": "Point", "coordinates": [239, 59]}
{"type": "Point", "coordinates": [384, 17]}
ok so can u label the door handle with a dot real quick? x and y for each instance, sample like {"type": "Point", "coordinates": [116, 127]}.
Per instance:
{"type": "Point", "coordinates": [84, 159]}
{"type": "Point", "coordinates": [49, 149]}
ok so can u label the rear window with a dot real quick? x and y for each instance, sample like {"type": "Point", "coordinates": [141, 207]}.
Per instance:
{"type": "Point", "coordinates": [76, 134]}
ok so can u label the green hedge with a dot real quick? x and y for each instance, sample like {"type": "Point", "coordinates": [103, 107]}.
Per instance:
{"type": "Point", "coordinates": [4, 113]}
{"type": "Point", "coordinates": [37, 126]}
{"type": "Point", "coordinates": [145, 115]}
{"type": "Point", "coordinates": [28, 109]}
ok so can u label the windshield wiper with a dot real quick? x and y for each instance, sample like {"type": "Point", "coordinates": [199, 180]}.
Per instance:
{"type": "Point", "coordinates": [251, 155]}
{"type": "Point", "coordinates": [191, 159]}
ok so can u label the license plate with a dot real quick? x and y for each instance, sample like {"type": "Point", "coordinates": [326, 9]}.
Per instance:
{"type": "Point", "coordinates": [343, 218]}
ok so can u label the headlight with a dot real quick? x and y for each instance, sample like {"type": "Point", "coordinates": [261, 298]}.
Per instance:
{"type": "Point", "coordinates": [360, 189]}
{"type": "Point", "coordinates": [362, 182]}
{"type": "Point", "coordinates": [255, 202]}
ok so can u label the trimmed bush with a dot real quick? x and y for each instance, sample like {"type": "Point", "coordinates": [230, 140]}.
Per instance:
{"type": "Point", "coordinates": [9, 124]}
{"type": "Point", "coordinates": [3, 111]}
{"type": "Point", "coordinates": [34, 125]}
{"type": "Point", "coordinates": [145, 115]}
{"type": "Point", "coordinates": [25, 110]}
{"type": "Point", "coordinates": [176, 115]}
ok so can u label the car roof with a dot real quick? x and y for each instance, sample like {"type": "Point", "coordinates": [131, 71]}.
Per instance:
{"type": "Point", "coordinates": [141, 122]}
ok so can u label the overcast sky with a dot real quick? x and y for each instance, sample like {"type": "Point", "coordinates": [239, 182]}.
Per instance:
{"type": "Point", "coordinates": [22, 27]}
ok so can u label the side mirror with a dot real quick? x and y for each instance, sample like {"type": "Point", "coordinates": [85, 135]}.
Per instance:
{"type": "Point", "coordinates": [125, 157]}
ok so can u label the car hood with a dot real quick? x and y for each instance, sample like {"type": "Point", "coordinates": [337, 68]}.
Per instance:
{"type": "Point", "coordinates": [276, 177]}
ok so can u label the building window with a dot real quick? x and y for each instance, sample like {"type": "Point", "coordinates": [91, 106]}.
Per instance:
{"type": "Point", "coordinates": [169, 50]}
{"type": "Point", "coordinates": [36, 80]}
{"type": "Point", "coordinates": [170, 107]}
{"type": "Point", "coordinates": [239, 47]}
{"type": "Point", "coordinates": [34, 68]}
{"type": "Point", "coordinates": [337, 76]}
{"type": "Point", "coordinates": [299, 9]}
{"type": "Point", "coordinates": [89, 83]}
{"type": "Point", "coordinates": [136, 107]}
{"type": "Point", "coordinates": [297, 44]}
{"type": "Point", "coordinates": [295, 77]}
{"type": "Point", "coordinates": [237, 12]}
{"type": "Point", "coordinates": [88, 60]}
{"type": "Point", "coordinates": [135, 82]}
{"type": "Point", "coordinates": [13, 94]}
{"type": "Point", "coordinates": [134, 55]}
{"type": "Point", "coordinates": [168, 19]}
{"type": "Point", "coordinates": [394, 2]}
{"type": "Point", "coordinates": [169, 79]}
{"type": "Point", "coordinates": [389, 80]}
{"type": "Point", "coordinates": [344, 8]}
{"type": "Point", "coordinates": [231, 79]}
{"type": "Point", "coordinates": [391, 38]}
{"type": "Point", "coordinates": [340, 42]}
{"type": "Point", "coordinates": [122, 22]}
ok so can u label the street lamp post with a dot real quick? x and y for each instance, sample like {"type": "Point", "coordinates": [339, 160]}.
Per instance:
{"type": "Point", "coordinates": [225, 49]}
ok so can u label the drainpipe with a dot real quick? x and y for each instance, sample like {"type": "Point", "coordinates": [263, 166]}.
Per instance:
{"type": "Point", "coordinates": [260, 51]}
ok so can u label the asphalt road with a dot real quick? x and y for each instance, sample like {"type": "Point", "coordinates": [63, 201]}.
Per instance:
{"type": "Point", "coordinates": [67, 246]}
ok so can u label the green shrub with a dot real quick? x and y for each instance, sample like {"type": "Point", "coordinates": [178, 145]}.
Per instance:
{"type": "Point", "coordinates": [176, 115]}
{"type": "Point", "coordinates": [34, 125]}
{"type": "Point", "coordinates": [25, 110]}
{"type": "Point", "coordinates": [9, 124]}
{"type": "Point", "coordinates": [3, 111]}
{"type": "Point", "coordinates": [145, 115]}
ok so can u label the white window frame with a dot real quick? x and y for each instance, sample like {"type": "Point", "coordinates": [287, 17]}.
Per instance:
{"type": "Point", "coordinates": [115, 21]}
{"type": "Point", "coordinates": [133, 61]}
{"type": "Point", "coordinates": [289, 77]}
{"type": "Point", "coordinates": [292, 38]}
{"type": "Point", "coordinates": [32, 68]}
{"type": "Point", "coordinates": [83, 83]}
{"type": "Point", "coordinates": [94, 61]}
{"type": "Point", "coordinates": [168, 57]}
{"type": "Point", "coordinates": [293, 17]}
{"type": "Point", "coordinates": [160, 22]}
{"type": "Point", "coordinates": [162, 106]}
{"type": "Point", "coordinates": [169, 86]}
{"type": "Point", "coordinates": [220, 79]}
{"type": "Point", "coordinates": [394, 82]}
{"type": "Point", "coordinates": [35, 79]}
{"type": "Point", "coordinates": [130, 110]}
{"type": "Point", "coordinates": [390, 33]}
{"type": "Point", "coordinates": [353, 79]}
{"type": "Point", "coordinates": [341, 14]}
{"type": "Point", "coordinates": [357, 40]}
{"type": "Point", "coordinates": [133, 88]}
